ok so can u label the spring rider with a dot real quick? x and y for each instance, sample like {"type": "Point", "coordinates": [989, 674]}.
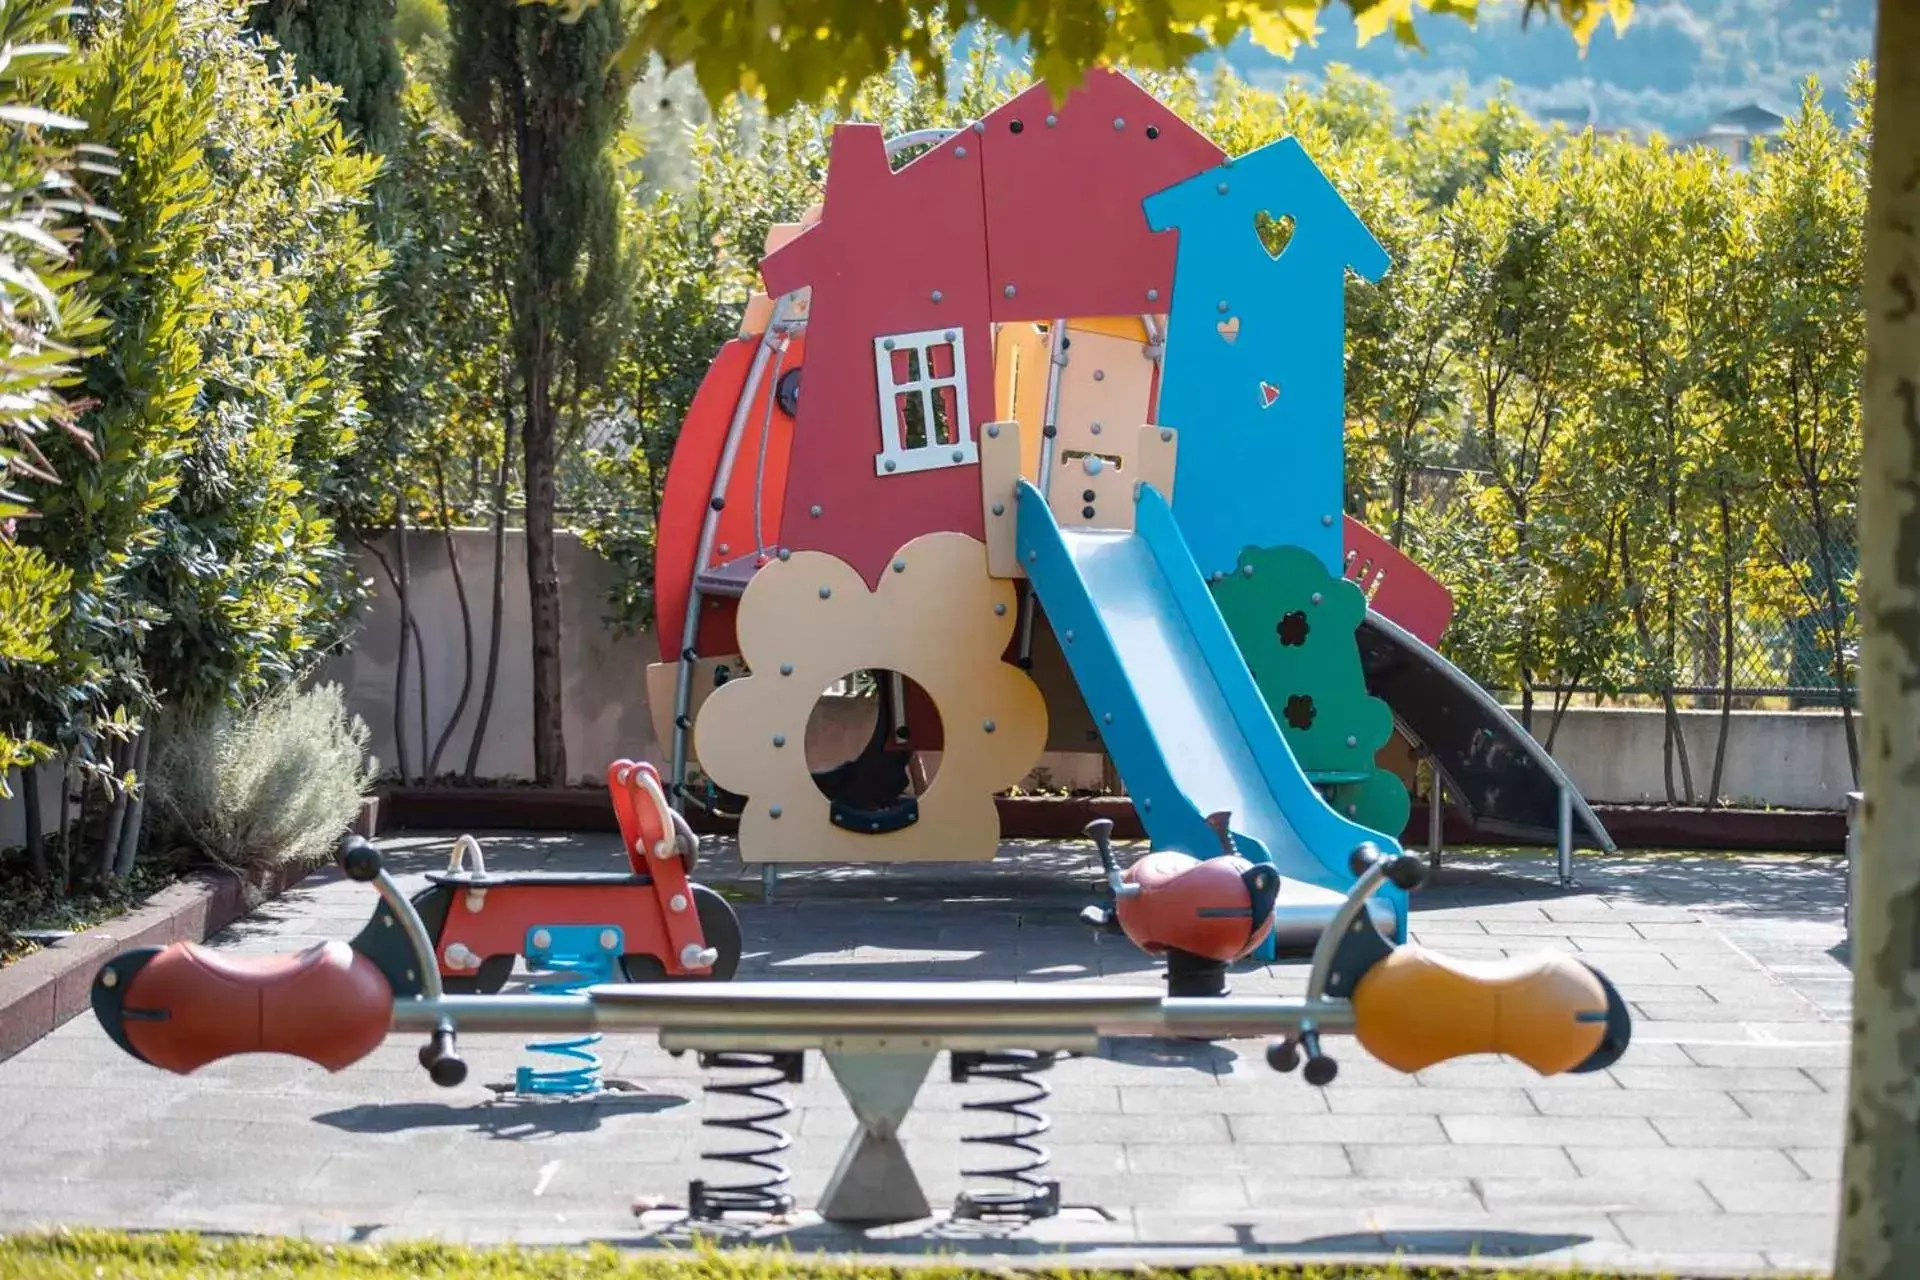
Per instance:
{"type": "Point", "coordinates": [1202, 915]}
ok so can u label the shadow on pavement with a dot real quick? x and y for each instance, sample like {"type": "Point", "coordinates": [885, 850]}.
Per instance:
{"type": "Point", "coordinates": [507, 1119]}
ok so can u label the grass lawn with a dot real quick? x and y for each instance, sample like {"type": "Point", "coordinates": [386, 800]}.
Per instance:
{"type": "Point", "coordinates": [104, 1255]}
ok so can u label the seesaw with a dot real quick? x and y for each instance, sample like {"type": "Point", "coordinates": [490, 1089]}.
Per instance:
{"type": "Point", "coordinates": [184, 1006]}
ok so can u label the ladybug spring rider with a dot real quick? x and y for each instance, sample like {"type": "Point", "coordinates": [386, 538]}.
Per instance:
{"type": "Point", "coordinates": [1201, 914]}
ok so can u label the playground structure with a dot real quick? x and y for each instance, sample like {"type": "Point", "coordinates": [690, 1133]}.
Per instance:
{"type": "Point", "coordinates": [184, 1006]}
{"type": "Point", "coordinates": [1042, 428]}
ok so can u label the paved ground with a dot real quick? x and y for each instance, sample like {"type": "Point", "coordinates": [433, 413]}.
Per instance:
{"type": "Point", "coordinates": [1713, 1147]}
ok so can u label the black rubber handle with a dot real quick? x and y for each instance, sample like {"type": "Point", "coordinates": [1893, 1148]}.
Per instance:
{"type": "Point", "coordinates": [1404, 870]}
{"type": "Point", "coordinates": [359, 858]}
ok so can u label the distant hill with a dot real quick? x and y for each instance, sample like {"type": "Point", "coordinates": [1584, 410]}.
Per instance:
{"type": "Point", "coordinates": [1677, 68]}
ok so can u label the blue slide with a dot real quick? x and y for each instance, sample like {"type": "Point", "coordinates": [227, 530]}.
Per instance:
{"type": "Point", "coordinates": [1180, 714]}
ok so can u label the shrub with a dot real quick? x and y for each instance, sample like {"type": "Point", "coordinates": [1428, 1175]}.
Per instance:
{"type": "Point", "coordinates": [273, 786]}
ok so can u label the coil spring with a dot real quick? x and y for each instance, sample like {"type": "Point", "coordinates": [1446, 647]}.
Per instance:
{"type": "Point", "coordinates": [762, 1194]}
{"type": "Point", "coordinates": [564, 959]}
{"type": "Point", "coordinates": [1035, 1197]}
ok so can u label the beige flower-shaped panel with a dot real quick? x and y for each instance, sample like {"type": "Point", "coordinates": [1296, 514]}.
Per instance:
{"type": "Point", "coordinates": [936, 618]}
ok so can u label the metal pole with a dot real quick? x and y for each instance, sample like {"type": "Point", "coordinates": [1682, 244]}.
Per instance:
{"type": "Point", "coordinates": [1436, 816]}
{"type": "Point", "coordinates": [1566, 837]}
{"type": "Point", "coordinates": [1853, 855]}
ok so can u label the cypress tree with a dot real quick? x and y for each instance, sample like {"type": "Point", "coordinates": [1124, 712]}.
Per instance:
{"type": "Point", "coordinates": [348, 44]}
{"type": "Point", "coordinates": [539, 94]}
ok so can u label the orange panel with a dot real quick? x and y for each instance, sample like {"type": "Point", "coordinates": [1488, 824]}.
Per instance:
{"type": "Point", "coordinates": [696, 457]}
{"type": "Point", "coordinates": [1066, 234]}
{"type": "Point", "coordinates": [683, 504]}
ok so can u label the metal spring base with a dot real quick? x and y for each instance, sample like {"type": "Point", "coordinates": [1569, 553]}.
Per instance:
{"type": "Point", "coordinates": [763, 1195]}
{"type": "Point", "coordinates": [1036, 1197]}
{"type": "Point", "coordinates": [565, 959]}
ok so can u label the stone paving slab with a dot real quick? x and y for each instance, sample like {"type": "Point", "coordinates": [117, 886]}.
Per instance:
{"type": "Point", "coordinates": [1713, 1146]}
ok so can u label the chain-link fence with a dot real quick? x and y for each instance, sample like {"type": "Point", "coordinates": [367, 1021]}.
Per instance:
{"type": "Point", "coordinates": [1758, 610]}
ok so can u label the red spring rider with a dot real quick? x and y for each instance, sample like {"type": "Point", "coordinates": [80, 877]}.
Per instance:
{"type": "Point", "coordinates": [1201, 914]}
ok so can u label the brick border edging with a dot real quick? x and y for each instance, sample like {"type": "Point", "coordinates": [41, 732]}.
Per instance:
{"type": "Point", "coordinates": [41, 991]}
{"type": "Point", "coordinates": [528, 808]}
{"type": "Point", "coordinates": [45, 989]}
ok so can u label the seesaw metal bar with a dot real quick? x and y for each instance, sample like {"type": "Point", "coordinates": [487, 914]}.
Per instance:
{"type": "Point", "coordinates": [763, 1020]}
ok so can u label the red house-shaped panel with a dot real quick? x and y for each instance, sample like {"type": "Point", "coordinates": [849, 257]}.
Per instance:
{"type": "Point", "coordinates": [1066, 234]}
{"type": "Point", "coordinates": [900, 259]}
{"type": "Point", "coordinates": [1033, 213]}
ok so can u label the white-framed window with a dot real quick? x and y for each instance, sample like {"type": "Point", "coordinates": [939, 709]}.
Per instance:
{"type": "Point", "coordinates": [923, 402]}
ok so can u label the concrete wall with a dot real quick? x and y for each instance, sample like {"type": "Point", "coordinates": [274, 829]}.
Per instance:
{"type": "Point", "coordinates": [1786, 759]}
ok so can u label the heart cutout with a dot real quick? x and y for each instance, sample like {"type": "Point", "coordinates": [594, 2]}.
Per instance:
{"type": "Point", "coordinates": [1229, 328]}
{"type": "Point", "coordinates": [1268, 394]}
{"type": "Point", "coordinates": [1275, 233]}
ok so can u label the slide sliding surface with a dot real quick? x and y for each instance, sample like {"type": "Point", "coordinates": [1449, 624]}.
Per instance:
{"type": "Point", "coordinates": [1179, 712]}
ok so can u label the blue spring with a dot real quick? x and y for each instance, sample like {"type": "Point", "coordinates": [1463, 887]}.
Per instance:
{"type": "Point", "coordinates": [563, 959]}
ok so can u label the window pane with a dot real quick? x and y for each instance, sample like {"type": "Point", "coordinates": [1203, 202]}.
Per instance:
{"type": "Point", "coordinates": [911, 406]}
{"type": "Point", "coordinates": [940, 357]}
{"type": "Point", "coordinates": [946, 414]}
{"type": "Point", "coordinates": [906, 366]}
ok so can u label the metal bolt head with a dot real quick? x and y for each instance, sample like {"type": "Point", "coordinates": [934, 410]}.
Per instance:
{"type": "Point", "coordinates": [1317, 597]}
{"type": "Point", "coordinates": [814, 511]}
{"type": "Point", "coordinates": [786, 554]}
{"type": "Point", "coordinates": [1000, 609]}
{"type": "Point", "coordinates": [1095, 428]}
{"type": "Point", "coordinates": [1220, 306]}
{"type": "Point", "coordinates": [786, 668]}
{"type": "Point", "coordinates": [959, 455]}
{"type": "Point", "coordinates": [723, 548]}
{"type": "Point", "coordinates": [936, 295]}
{"type": "Point", "coordinates": [1068, 637]}
{"type": "Point", "coordinates": [678, 902]}
{"type": "Point", "coordinates": [899, 566]}
{"type": "Point", "coordinates": [993, 431]}
{"type": "Point", "coordinates": [891, 464]}
{"type": "Point", "coordinates": [826, 593]}
{"type": "Point", "coordinates": [1052, 120]}
{"type": "Point", "coordinates": [1222, 188]}
{"type": "Point", "coordinates": [1326, 521]}
{"type": "Point", "coordinates": [541, 939]}
{"type": "Point", "coordinates": [773, 811]}
{"type": "Point", "coordinates": [987, 725]}
{"type": "Point", "coordinates": [961, 152]}
{"type": "Point", "coordinates": [779, 739]}
{"type": "Point", "coordinates": [1246, 570]}
{"type": "Point", "coordinates": [1009, 291]}
{"type": "Point", "coordinates": [1166, 437]}
{"type": "Point", "coordinates": [999, 508]}
{"type": "Point", "coordinates": [1107, 718]}
{"type": "Point", "coordinates": [609, 940]}
{"type": "Point", "coordinates": [1032, 556]}
{"type": "Point", "coordinates": [1153, 295]}
{"type": "Point", "coordinates": [1119, 122]}
{"type": "Point", "coordinates": [887, 343]}
{"type": "Point", "coordinates": [1099, 375]}
{"type": "Point", "coordinates": [1353, 741]}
